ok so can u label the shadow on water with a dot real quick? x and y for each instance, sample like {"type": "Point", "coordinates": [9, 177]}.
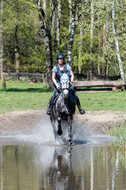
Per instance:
{"type": "Point", "coordinates": [80, 142]}
{"type": "Point", "coordinates": [38, 90]}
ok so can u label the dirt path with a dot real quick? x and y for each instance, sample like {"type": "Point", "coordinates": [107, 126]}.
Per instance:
{"type": "Point", "coordinates": [28, 120]}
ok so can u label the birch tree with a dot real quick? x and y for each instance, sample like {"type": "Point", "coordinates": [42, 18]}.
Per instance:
{"type": "Point", "coordinates": [99, 48]}
{"type": "Point", "coordinates": [81, 35]}
{"type": "Point", "coordinates": [91, 40]}
{"type": "Point", "coordinates": [117, 43]}
{"type": "Point", "coordinates": [70, 13]}
{"type": "Point", "coordinates": [58, 22]}
{"type": "Point", "coordinates": [54, 24]}
{"type": "Point", "coordinates": [72, 31]}
{"type": "Point", "coordinates": [44, 6]}
{"type": "Point", "coordinates": [47, 40]}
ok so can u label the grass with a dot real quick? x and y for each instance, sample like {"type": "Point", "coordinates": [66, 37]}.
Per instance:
{"type": "Point", "coordinates": [120, 132]}
{"type": "Point", "coordinates": [115, 101]}
{"type": "Point", "coordinates": [25, 96]}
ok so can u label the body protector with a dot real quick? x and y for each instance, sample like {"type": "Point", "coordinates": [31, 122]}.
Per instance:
{"type": "Point", "coordinates": [64, 77]}
{"type": "Point", "coordinates": [60, 73]}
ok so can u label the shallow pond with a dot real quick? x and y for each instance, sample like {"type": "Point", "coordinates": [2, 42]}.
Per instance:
{"type": "Point", "coordinates": [27, 163]}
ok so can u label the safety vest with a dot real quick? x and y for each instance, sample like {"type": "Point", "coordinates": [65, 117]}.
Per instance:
{"type": "Point", "coordinates": [60, 72]}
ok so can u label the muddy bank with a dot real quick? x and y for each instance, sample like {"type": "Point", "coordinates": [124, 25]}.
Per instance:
{"type": "Point", "coordinates": [26, 121]}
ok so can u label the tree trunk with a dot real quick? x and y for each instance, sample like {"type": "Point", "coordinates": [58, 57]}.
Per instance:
{"type": "Point", "coordinates": [16, 49]}
{"type": "Point", "coordinates": [106, 56]}
{"type": "Point", "coordinates": [58, 22]}
{"type": "Point", "coordinates": [117, 43]}
{"type": "Point", "coordinates": [16, 52]}
{"type": "Point", "coordinates": [81, 41]}
{"type": "Point", "coordinates": [54, 25]}
{"type": "Point", "coordinates": [44, 6]}
{"type": "Point", "coordinates": [104, 41]}
{"type": "Point", "coordinates": [1, 38]}
{"type": "Point", "coordinates": [70, 8]}
{"type": "Point", "coordinates": [72, 32]}
{"type": "Point", "coordinates": [91, 40]}
{"type": "Point", "coordinates": [99, 49]}
{"type": "Point", "coordinates": [1, 46]}
{"type": "Point", "coordinates": [47, 40]}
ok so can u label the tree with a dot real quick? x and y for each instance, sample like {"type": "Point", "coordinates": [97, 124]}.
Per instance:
{"type": "Point", "coordinates": [1, 37]}
{"type": "Point", "coordinates": [58, 22]}
{"type": "Point", "coordinates": [48, 43]}
{"type": "Point", "coordinates": [91, 40]}
{"type": "Point", "coordinates": [116, 42]}
{"type": "Point", "coordinates": [72, 31]}
{"type": "Point", "coordinates": [1, 45]}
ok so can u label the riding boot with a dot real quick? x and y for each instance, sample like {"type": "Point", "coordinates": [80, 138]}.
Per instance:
{"type": "Point", "coordinates": [49, 109]}
{"type": "Point", "coordinates": [78, 104]}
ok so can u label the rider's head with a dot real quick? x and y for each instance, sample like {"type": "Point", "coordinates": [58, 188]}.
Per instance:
{"type": "Point", "coordinates": [60, 58]}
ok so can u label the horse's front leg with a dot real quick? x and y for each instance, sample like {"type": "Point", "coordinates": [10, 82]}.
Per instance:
{"type": "Point", "coordinates": [59, 132]}
{"type": "Point", "coordinates": [54, 126]}
{"type": "Point", "coordinates": [70, 129]}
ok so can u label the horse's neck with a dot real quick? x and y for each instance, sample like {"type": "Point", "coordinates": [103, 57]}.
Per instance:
{"type": "Point", "coordinates": [60, 98]}
{"type": "Point", "coordinates": [60, 101]}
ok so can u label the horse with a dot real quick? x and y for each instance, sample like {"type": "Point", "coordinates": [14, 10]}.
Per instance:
{"type": "Point", "coordinates": [63, 109]}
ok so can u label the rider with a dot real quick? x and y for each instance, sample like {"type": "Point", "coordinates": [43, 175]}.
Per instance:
{"type": "Point", "coordinates": [57, 72]}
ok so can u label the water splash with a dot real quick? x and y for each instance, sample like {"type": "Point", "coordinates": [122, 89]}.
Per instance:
{"type": "Point", "coordinates": [43, 134]}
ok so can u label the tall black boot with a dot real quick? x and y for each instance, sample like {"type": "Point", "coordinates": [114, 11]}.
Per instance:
{"type": "Point", "coordinates": [78, 104]}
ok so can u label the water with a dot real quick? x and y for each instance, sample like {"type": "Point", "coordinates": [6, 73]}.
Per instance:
{"type": "Point", "coordinates": [34, 162]}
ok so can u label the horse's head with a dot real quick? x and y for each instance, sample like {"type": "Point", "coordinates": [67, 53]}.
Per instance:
{"type": "Point", "coordinates": [65, 85]}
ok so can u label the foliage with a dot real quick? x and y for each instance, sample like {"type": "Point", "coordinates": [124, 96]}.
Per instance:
{"type": "Point", "coordinates": [22, 30]}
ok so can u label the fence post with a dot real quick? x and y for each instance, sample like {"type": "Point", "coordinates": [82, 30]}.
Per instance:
{"type": "Point", "coordinates": [3, 80]}
{"type": "Point", "coordinates": [44, 77]}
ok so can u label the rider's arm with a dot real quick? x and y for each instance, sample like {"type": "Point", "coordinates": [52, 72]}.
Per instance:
{"type": "Point", "coordinates": [54, 80]}
{"type": "Point", "coordinates": [72, 76]}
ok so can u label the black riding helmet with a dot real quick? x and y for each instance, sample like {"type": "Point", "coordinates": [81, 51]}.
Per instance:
{"type": "Point", "coordinates": [60, 56]}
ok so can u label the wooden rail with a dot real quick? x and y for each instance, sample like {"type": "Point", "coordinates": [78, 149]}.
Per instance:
{"type": "Point", "coordinates": [78, 84]}
{"type": "Point", "coordinates": [42, 76]}
{"type": "Point", "coordinates": [114, 84]}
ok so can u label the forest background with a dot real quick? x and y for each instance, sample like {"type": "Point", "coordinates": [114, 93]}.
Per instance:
{"type": "Point", "coordinates": [91, 34]}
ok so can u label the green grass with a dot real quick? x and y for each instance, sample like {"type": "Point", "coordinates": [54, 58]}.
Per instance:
{"type": "Point", "coordinates": [115, 101]}
{"type": "Point", "coordinates": [25, 96]}
{"type": "Point", "coordinates": [120, 132]}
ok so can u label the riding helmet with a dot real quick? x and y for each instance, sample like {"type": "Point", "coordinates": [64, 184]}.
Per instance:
{"type": "Point", "coordinates": [60, 56]}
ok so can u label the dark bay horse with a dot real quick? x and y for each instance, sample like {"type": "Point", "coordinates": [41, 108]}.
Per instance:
{"type": "Point", "coordinates": [63, 109]}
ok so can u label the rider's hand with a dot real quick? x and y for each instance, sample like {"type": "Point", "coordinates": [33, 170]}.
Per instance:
{"type": "Point", "coordinates": [71, 83]}
{"type": "Point", "coordinates": [58, 87]}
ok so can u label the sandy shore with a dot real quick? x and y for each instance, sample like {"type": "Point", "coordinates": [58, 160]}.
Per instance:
{"type": "Point", "coordinates": [28, 120]}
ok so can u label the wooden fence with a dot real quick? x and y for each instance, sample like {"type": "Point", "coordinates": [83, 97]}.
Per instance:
{"type": "Point", "coordinates": [78, 84]}
{"type": "Point", "coordinates": [114, 84]}
{"type": "Point", "coordinates": [42, 76]}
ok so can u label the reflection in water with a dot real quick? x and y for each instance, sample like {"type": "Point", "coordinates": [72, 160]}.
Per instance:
{"type": "Point", "coordinates": [85, 167]}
